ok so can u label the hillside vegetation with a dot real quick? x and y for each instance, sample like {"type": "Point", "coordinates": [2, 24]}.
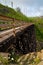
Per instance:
{"type": "Point", "coordinates": [39, 27]}
{"type": "Point", "coordinates": [7, 11]}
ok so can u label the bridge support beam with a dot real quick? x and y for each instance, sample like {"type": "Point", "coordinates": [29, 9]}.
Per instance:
{"type": "Point", "coordinates": [26, 41]}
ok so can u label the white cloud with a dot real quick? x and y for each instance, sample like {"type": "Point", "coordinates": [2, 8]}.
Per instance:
{"type": "Point", "coordinates": [28, 7]}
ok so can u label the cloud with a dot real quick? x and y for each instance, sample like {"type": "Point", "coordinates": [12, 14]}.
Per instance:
{"type": "Point", "coordinates": [28, 7]}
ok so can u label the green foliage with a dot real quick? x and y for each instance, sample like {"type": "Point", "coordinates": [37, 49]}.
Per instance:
{"type": "Point", "coordinates": [18, 9]}
{"type": "Point", "coordinates": [38, 21]}
{"type": "Point", "coordinates": [12, 57]}
{"type": "Point", "coordinates": [3, 60]}
{"type": "Point", "coordinates": [7, 11]}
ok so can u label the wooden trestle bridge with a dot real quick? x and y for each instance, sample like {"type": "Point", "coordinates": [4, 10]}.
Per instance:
{"type": "Point", "coordinates": [21, 38]}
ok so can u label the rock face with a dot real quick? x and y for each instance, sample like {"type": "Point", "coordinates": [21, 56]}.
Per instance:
{"type": "Point", "coordinates": [23, 42]}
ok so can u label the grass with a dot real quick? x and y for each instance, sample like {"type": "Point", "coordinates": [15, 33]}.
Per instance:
{"type": "Point", "coordinates": [3, 60]}
{"type": "Point", "coordinates": [38, 21]}
{"type": "Point", "coordinates": [7, 11]}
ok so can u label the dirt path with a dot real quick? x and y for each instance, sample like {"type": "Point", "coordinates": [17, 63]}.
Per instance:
{"type": "Point", "coordinates": [41, 63]}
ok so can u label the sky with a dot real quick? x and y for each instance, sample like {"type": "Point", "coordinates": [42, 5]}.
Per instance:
{"type": "Point", "coordinates": [30, 8]}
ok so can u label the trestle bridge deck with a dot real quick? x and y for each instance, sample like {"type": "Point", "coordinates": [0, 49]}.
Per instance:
{"type": "Point", "coordinates": [21, 38]}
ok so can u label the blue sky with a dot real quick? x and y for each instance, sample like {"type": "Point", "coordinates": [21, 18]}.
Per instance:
{"type": "Point", "coordinates": [30, 8]}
